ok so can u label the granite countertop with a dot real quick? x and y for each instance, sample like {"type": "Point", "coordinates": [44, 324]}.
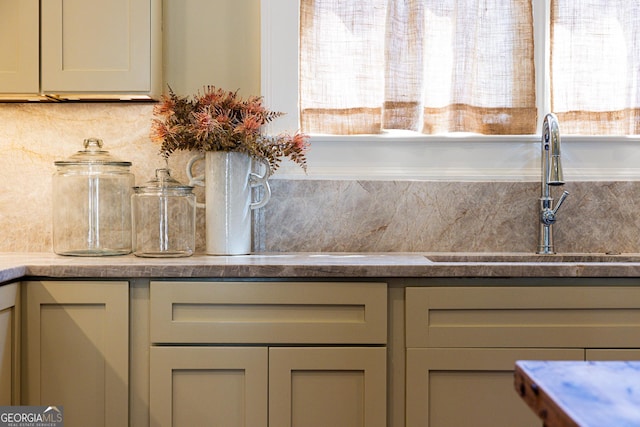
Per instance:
{"type": "Point", "coordinates": [309, 265]}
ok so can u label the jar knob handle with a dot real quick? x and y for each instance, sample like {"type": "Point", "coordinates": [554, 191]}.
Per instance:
{"type": "Point", "coordinates": [93, 144]}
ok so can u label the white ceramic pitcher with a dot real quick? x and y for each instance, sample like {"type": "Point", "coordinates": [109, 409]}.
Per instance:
{"type": "Point", "coordinates": [228, 181]}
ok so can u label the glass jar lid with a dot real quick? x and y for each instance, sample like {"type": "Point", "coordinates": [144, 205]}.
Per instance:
{"type": "Point", "coordinates": [92, 155]}
{"type": "Point", "coordinates": [163, 183]}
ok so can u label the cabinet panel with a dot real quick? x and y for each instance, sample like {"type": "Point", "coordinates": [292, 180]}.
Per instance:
{"type": "Point", "coordinates": [99, 46]}
{"type": "Point", "coordinates": [612, 354]}
{"type": "Point", "coordinates": [523, 317]}
{"type": "Point", "coordinates": [318, 387]}
{"type": "Point", "coordinates": [9, 345]}
{"type": "Point", "coordinates": [234, 63]}
{"type": "Point", "coordinates": [19, 46]}
{"type": "Point", "coordinates": [470, 387]}
{"type": "Point", "coordinates": [269, 312]}
{"type": "Point", "coordinates": [208, 386]}
{"type": "Point", "coordinates": [76, 350]}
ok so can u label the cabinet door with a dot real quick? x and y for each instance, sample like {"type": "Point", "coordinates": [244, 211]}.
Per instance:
{"type": "Point", "coordinates": [470, 387]}
{"type": "Point", "coordinates": [319, 387]}
{"type": "Point", "coordinates": [268, 312]}
{"type": "Point", "coordinates": [208, 386]}
{"type": "Point", "coordinates": [527, 316]}
{"type": "Point", "coordinates": [97, 46]}
{"type": "Point", "coordinates": [191, 62]}
{"type": "Point", "coordinates": [19, 46]}
{"type": "Point", "coordinates": [9, 345]}
{"type": "Point", "coordinates": [76, 350]}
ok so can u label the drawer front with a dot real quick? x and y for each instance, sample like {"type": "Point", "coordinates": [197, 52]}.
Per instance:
{"type": "Point", "coordinates": [577, 317]}
{"type": "Point", "coordinates": [268, 312]}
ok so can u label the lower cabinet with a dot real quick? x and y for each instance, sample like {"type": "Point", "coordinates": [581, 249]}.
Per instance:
{"type": "Point", "coordinates": [280, 354]}
{"type": "Point", "coordinates": [462, 344]}
{"type": "Point", "coordinates": [9, 344]}
{"type": "Point", "coordinates": [261, 386]}
{"type": "Point", "coordinates": [299, 354]}
{"type": "Point", "coordinates": [471, 387]}
{"type": "Point", "coordinates": [208, 386]}
{"type": "Point", "coordinates": [318, 387]}
{"type": "Point", "coordinates": [612, 354]}
{"type": "Point", "coordinates": [76, 350]}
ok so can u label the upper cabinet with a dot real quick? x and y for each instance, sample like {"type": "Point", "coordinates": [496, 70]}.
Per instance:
{"type": "Point", "coordinates": [96, 49]}
{"type": "Point", "coordinates": [211, 42]}
{"type": "Point", "coordinates": [19, 47]}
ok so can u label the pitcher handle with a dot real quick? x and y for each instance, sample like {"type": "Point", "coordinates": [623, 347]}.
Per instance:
{"type": "Point", "coordinates": [195, 180]}
{"type": "Point", "coordinates": [256, 180]}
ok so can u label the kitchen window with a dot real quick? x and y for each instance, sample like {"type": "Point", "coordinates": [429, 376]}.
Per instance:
{"type": "Point", "coordinates": [473, 156]}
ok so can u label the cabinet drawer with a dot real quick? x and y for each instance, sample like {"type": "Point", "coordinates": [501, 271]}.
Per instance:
{"type": "Point", "coordinates": [268, 312]}
{"type": "Point", "coordinates": [579, 317]}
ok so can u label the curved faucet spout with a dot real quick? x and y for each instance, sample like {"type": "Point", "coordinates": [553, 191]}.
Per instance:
{"type": "Point", "coordinates": [551, 161]}
{"type": "Point", "coordinates": [551, 176]}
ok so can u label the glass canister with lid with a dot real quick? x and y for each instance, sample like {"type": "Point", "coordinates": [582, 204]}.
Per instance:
{"type": "Point", "coordinates": [92, 203]}
{"type": "Point", "coordinates": [164, 217]}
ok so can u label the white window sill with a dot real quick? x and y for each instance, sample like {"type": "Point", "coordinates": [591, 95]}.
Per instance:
{"type": "Point", "coordinates": [442, 158]}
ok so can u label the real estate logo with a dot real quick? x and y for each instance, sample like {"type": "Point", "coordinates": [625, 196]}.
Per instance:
{"type": "Point", "coordinates": [31, 416]}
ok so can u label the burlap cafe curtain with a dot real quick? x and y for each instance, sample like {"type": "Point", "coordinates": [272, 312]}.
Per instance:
{"type": "Point", "coordinates": [595, 66]}
{"type": "Point", "coordinates": [431, 66]}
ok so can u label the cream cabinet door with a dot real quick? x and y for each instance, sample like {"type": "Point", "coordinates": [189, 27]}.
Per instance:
{"type": "Point", "coordinates": [470, 387]}
{"type": "Point", "coordinates": [19, 46]}
{"type": "Point", "coordinates": [319, 387]}
{"type": "Point", "coordinates": [605, 316]}
{"type": "Point", "coordinates": [99, 45]}
{"type": "Point", "coordinates": [212, 42]}
{"type": "Point", "coordinates": [75, 352]}
{"type": "Point", "coordinates": [9, 345]}
{"type": "Point", "coordinates": [208, 386]}
{"type": "Point", "coordinates": [259, 312]}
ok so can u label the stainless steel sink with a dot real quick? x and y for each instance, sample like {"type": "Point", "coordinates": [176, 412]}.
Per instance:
{"type": "Point", "coordinates": [474, 257]}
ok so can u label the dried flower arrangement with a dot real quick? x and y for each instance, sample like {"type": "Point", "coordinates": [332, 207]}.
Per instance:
{"type": "Point", "coordinates": [219, 120]}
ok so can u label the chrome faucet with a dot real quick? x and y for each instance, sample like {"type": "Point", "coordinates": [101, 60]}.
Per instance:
{"type": "Point", "coordinates": [551, 176]}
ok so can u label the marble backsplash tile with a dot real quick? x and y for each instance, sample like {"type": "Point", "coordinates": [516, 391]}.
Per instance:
{"type": "Point", "coordinates": [309, 215]}
{"type": "Point", "coordinates": [372, 216]}
{"type": "Point", "coordinates": [34, 136]}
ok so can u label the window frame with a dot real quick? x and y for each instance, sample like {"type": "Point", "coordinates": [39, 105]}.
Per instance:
{"type": "Point", "coordinates": [410, 156]}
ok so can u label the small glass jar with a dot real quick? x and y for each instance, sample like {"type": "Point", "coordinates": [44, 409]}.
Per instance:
{"type": "Point", "coordinates": [164, 218]}
{"type": "Point", "coordinates": [92, 203]}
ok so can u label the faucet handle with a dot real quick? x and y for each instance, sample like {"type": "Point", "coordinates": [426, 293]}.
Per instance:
{"type": "Point", "coordinates": [548, 215]}
{"type": "Point", "coordinates": [564, 195]}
